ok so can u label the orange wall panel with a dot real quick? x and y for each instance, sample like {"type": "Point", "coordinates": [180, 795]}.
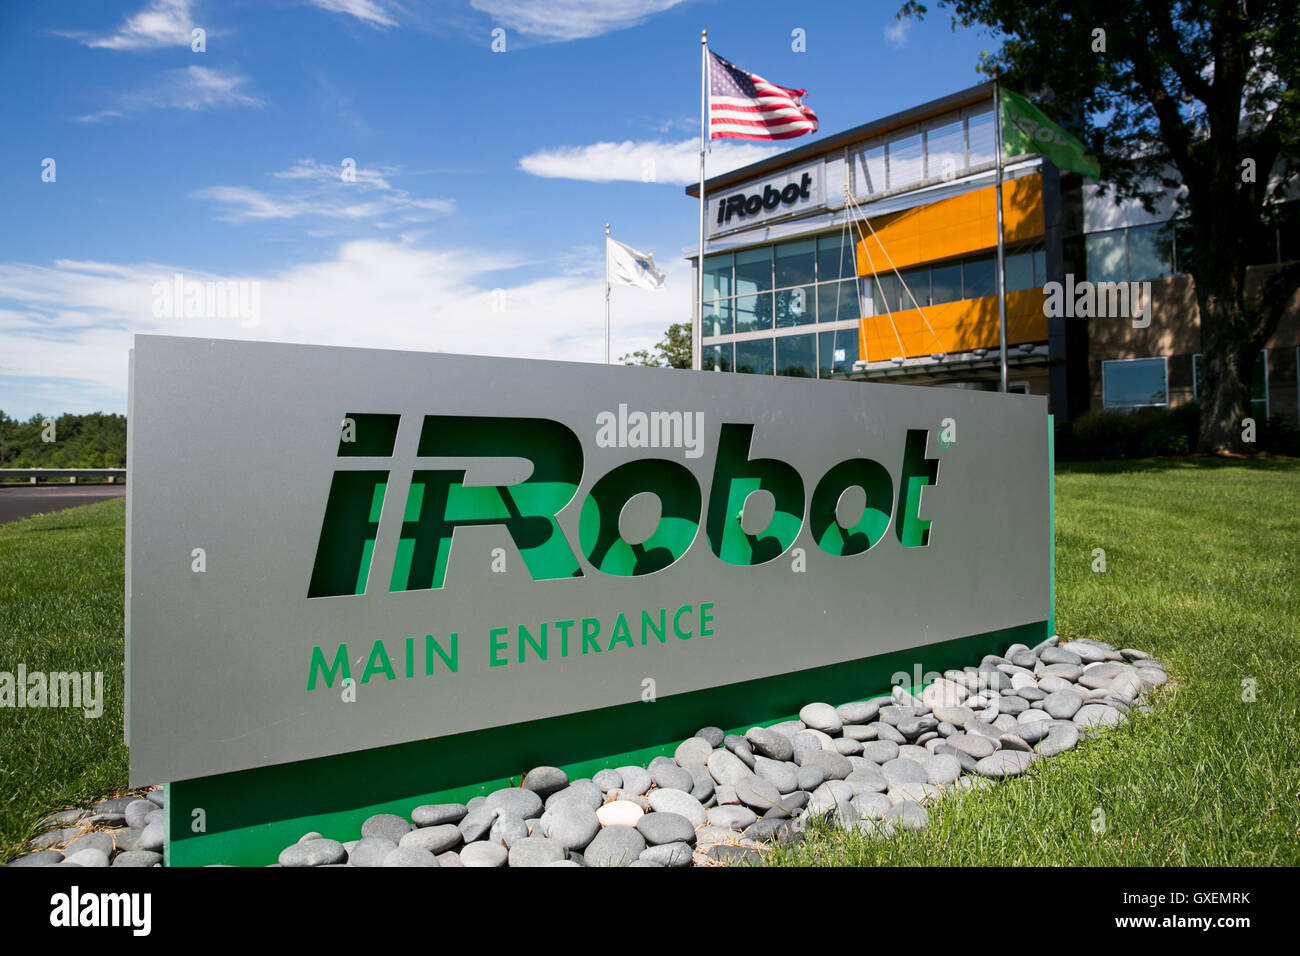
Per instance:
{"type": "Point", "coordinates": [957, 327]}
{"type": "Point", "coordinates": [952, 227]}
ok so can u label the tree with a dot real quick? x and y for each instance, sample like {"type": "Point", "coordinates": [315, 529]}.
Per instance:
{"type": "Point", "coordinates": [94, 440]}
{"type": "Point", "coordinates": [1201, 95]}
{"type": "Point", "coordinates": [673, 350]}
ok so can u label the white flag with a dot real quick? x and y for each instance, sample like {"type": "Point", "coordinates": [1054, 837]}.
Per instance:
{"type": "Point", "coordinates": [632, 267]}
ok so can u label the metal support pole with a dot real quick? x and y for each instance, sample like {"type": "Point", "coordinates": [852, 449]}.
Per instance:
{"type": "Point", "coordinates": [606, 293]}
{"type": "Point", "coordinates": [697, 325]}
{"type": "Point", "coordinates": [1002, 296]}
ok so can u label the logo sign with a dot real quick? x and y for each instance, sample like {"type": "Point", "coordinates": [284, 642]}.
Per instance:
{"type": "Point", "coordinates": [397, 546]}
{"type": "Point", "coordinates": [798, 190]}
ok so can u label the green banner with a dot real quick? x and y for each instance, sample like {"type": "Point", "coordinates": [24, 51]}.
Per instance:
{"type": "Point", "coordinates": [1026, 130]}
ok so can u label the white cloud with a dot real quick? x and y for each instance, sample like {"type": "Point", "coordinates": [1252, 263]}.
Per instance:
{"type": "Point", "coordinates": [201, 87]}
{"type": "Point", "coordinates": [319, 190]}
{"type": "Point", "coordinates": [309, 169]}
{"type": "Point", "coordinates": [161, 23]}
{"type": "Point", "coordinates": [191, 88]}
{"type": "Point", "coordinates": [241, 204]}
{"type": "Point", "coordinates": [571, 19]}
{"type": "Point", "coordinates": [367, 11]}
{"type": "Point", "coordinates": [72, 321]}
{"type": "Point", "coordinates": [896, 33]}
{"type": "Point", "coordinates": [642, 161]}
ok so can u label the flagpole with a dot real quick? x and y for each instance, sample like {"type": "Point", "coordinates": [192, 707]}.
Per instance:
{"type": "Point", "coordinates": [1002, 298]}
{"type": "Point", "coordinates": [606, 293]}
{"type": "Point", "coordinates": [697, 326]}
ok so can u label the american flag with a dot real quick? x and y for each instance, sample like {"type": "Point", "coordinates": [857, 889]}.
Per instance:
{"type": "Point", "coordinates": [746, 106]}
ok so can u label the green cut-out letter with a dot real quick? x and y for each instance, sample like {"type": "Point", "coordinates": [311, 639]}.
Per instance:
{"type": "Point", "coordinates": [873, 479]}
{"type": "Point", "coordinates": [735, 477]}
{"type": "Point", "coordinates": [679, 498]}
{"type": "Point", "coordinates": [347, 534]}
{"type": "Point", "coordinates": [918, 471]}
{"type": "Point", "coordinates": [527, 510]}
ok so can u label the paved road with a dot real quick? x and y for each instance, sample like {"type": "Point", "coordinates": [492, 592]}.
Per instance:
{"type": "Point", "coordinates": [22, 501]}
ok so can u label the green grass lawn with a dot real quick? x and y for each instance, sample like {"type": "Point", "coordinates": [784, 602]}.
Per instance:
{"type": "Point", "coordinates": [1202, 571]}
{"type": "Point", "coordinates": [61, 610]}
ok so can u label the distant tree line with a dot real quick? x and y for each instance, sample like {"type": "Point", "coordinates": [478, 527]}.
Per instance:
{"type": "Point", "coordinates": [95, 440]}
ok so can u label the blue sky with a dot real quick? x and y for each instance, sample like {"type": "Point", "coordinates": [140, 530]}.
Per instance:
{"type": "Point", "coordinates": [483, 178]}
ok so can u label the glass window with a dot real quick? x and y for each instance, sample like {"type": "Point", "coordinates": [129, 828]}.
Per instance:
{"type": "Point", "coordinates": [905, 158]}
{"type": "Point", "coordinates": [754, 357]}
{"type": "Point", "coordinates": [717, 318]}
{"type": "Point", "coordinates": [889, 294]}
{"type": "Point", "coordinates": [796, 356]}
{"type": "Point", "coordinates": [838, 350]}
{"type": "Point", "coordinates": [979, 136]}
{"type": "Point", "coordinates": [717, 276]}
{"type": "Point", "coordinates": [868, 303]}
{"type": "Point", "coordinates": [945, 151]}
{"type": "Point", "coordinates": [1134, 383]}
{"type": "Point", "coordinates": [979, 277]}
{"type": "Point", "coordinates": [869, 171]}
{"type": "Point", "coordinates": [754, 313]}
{"type": "Point", "coordinates": [836, 259]}
{"type": "Point", "coordinates": [1105, 255]}
{"type": "Point", "coordinates": [794, 263]}
{"type": "Point", "coordinates": [945, 283]}
{"type": "Point", "coordinates": [796, 306]}
{"type": "Point", "coordinates": [716, 358]}
{"type": "Point", "coordinates": [916, 287]}
{"type": "Point", "coordinates": [1150, 252]}
{"type": "Point", "coordinates": [1026, 269]}
{"type": "Point", "coordinates": [1020, 271]}
{"type": "Point", "coordinates": [838, 301]}
{"type": "Point", "coordinates": [754, 270]}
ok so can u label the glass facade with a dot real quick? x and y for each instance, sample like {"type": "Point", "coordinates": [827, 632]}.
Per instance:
{"type": "Point", "coordinates": [773, 299]}
{"type": "Point", "coordinates": [1138, 253]}
{"type": "Point", "coordinates": [796, 355]}
{"type": "Point", "coordinates": [786, 291]}
{"type": "Point", "coordinates": [1159, 250]}
{"type": "Point", "coordinates": [754, 356]}
{"type": "Point", "coordinates": [943, 148]}
{"type": "Point", "coordinates": [793, 307]}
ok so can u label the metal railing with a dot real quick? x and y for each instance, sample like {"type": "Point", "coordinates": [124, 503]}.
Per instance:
{"type": "Point", "coordinates": [33, 475]}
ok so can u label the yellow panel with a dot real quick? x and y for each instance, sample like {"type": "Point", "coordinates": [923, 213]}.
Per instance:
{"type": "Point", "coordinates": [952, 227]}
{"type": "Point", "coordinates": [957, 327]}
{"type": "Point", "coordinates": [1022, 209]}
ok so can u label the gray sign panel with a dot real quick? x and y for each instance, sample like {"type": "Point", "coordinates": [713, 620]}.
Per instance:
{"type": "Point", "coordinates": [537, 538]}
{"type": "Point", "coordinates": [798, 190]}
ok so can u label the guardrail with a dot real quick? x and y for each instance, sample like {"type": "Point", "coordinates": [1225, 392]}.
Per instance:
{"type": "Point", "coordinates": [33, 475]}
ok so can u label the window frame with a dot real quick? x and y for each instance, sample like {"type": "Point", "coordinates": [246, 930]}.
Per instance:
{"type": "Point", "coordinates": [1163, 359]}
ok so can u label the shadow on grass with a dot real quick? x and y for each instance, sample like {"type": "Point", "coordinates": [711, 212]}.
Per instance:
{"type": "Point", "coordinates": [1131, 466]}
